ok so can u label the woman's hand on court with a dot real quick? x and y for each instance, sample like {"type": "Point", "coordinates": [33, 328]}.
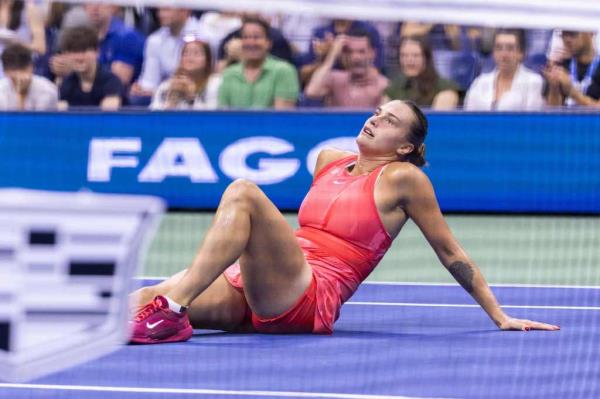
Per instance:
{"type": "Point", "coordinates": [526, 325]}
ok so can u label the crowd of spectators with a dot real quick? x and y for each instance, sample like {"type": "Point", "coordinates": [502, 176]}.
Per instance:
{"type": "Point", "coordinates": [59, 56]}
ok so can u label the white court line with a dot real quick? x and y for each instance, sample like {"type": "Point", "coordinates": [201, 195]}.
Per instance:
{"type": "Point", "coordinates": [594, 287]}
{"type": "Point", "coordinates": [192, 391]}
{"type": "Point", "coordinates": [461, 305]}
{"type": "Point", "coordinates": [458, 305]}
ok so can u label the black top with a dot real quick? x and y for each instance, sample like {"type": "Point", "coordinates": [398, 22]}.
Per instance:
{"type": "Point", "coordinates": [105, 84]}
{"type": "Point", "coordinates": [593, 89]}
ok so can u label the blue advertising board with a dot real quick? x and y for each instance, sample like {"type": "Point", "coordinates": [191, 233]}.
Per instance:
{"type": "Point", "coordinates": [478, 162]}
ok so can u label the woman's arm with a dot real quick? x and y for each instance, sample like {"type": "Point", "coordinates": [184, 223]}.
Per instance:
{"type": "Point", "coordinates": [36, 26]}
{"type": "Point", "coordinates": [110, 103]}
{"type": "Point", "coordinates": [422, 207]}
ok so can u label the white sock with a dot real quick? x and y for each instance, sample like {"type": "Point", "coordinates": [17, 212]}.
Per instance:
{"type": "Point", "coordinates": [174, 306]}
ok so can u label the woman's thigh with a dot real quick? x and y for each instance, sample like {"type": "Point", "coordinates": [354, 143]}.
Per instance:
{"type": "Point", "coordinates": [219, 307]}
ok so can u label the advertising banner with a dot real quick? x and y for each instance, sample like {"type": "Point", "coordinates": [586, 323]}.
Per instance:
{"type": "Point", "coordinates": [478, 162]}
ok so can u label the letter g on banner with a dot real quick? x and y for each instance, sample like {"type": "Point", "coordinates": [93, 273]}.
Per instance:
{"type": "Point", "coordinates": [270, 171]}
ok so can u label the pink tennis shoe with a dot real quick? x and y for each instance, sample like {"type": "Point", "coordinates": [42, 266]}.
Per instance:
{"type": "Point", "coordinates": [155, 323]}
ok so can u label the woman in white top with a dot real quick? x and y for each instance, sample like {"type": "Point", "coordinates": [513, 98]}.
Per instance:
{"type": "Point", "coordinates": [193, 85]}
{"type": "Point", "coordinates": [510, 86]}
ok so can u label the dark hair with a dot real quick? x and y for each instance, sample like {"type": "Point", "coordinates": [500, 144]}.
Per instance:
{"type": "Point", "coordinates": [79, 39]}
{"type": "Point", "coordinates": [257, 21]}
{"type": "Point", "coordinates": [16, 56]}
{"type": "Point", "coordinates": [16, 10]}
{"type": "Point", "coordinates": [417, 134]}
{"type": "Point", "coordinates": [55, 15]}
{"type": "Point", "coordinates": [426, 81]}
{"type": "Point", "coordinates": [519, 34]}
{"type": "Point", "coordinates": [361, 33]}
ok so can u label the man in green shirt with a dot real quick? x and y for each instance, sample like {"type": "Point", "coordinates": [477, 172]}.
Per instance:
{"type": "Point", "coordinates": [259, 81]}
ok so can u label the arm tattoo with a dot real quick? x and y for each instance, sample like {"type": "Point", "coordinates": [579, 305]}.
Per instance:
{"type": "Point", "coordinates": [463, 273]}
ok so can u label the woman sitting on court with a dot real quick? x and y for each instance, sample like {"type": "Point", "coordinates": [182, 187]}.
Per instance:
{"type": "Point", "coordinates": [193, 85]}
{"type": "Point", "coordinates": [418, 80]}
{"type": "Point", "coordinates": [510, 86]}
{"type": "Point", "coordinates": [254, 273]}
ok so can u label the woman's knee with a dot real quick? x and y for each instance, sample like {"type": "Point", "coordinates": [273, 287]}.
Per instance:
{"type": "Point", "coordinates": [242, 191]}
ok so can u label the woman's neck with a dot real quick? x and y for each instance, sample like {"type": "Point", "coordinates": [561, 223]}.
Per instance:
{"type": "Point", "coordinates": [366, 164]}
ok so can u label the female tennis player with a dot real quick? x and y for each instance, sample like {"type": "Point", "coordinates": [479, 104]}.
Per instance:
{"type": "Point", "coordinates": [254, 273]}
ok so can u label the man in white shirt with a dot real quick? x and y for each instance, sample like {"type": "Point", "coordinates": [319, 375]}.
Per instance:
{"type": "Point", "coordinates": [163, 48]}
{"type": "Point", "coordinates": [21, 90]}
{"type": "Point", "coordinates": [510, 86]}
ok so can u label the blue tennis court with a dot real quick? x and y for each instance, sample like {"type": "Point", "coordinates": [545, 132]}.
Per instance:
{"type": "Point", "coordinates": [392, 340]}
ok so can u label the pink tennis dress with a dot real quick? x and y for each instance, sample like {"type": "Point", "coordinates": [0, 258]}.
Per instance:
{"type": "Point", "coordinates": [343, 239]}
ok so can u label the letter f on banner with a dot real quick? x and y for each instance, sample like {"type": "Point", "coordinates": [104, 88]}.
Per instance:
{"type": "Point", "coordinates": [179, 157]}
{"type": "Point", "coordinates": [102, 156]}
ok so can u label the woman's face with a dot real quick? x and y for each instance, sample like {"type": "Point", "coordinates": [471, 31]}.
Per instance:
{"type": "Point", "coordinates": [412, 59]}
{"type": "Point", "coordinates": [385, 133]}
{"type": "Point", "coordinates": [507, 54]}
{"type": "Point", "coordinates": [193, 57]}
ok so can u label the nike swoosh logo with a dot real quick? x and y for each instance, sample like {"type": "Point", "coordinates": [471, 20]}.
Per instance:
{"type": "Point", "coordinates": [151, 326]}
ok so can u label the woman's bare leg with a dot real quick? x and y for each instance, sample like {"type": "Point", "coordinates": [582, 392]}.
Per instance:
{"type": "Point", "coordinates": [248, 227]}
{"type": "Point", "coordinates": [144, 295]}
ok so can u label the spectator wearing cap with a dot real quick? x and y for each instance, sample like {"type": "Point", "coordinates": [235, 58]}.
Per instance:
{"type": "Point", "coordinates": [21, 89]}
{"type": "Point", "coordinates": [90, 83]}
{"type": "Point", "coordinates": [359, 84]}
{"type": "Point", "coordinates": [510, 86]}
{"type": "Point", "coordinates": [193, 85]}
{"type": "Point", "coordinates": [259, 80]}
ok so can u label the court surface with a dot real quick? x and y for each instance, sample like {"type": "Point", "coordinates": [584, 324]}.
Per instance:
{"type": "Point", "coordinates": [392, 340]}
{"type": "Point", "coordinates": [396, 339]}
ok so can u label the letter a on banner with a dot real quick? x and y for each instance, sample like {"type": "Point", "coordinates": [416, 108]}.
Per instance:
{"type": "Point", "coordinates": [183, 157]}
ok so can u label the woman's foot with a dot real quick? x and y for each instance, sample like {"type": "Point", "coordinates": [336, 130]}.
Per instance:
{"type": "Point", "coordinates": [157, 323]}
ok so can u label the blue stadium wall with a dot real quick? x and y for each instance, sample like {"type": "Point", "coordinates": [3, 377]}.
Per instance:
{"type": "Point", "coordinates": [478, 162]}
